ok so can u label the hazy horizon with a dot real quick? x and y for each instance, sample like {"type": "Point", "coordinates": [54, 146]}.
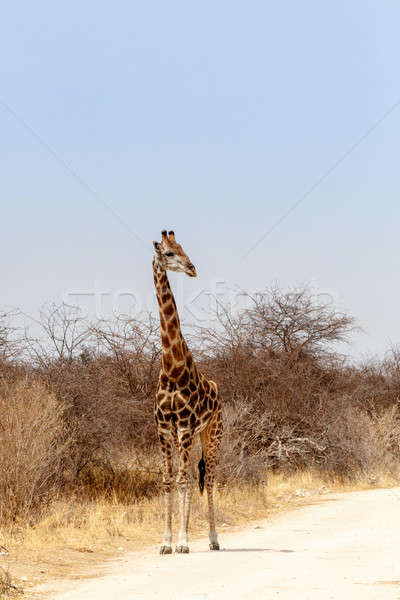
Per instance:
{"type": "Point", "coordinates": [223, 122]}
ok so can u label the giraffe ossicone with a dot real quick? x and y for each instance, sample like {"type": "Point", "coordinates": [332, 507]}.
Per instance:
{"type": "Point", "coordinates": [186, 403]}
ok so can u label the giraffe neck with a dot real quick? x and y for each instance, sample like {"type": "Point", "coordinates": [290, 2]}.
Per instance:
{"type": "Point", "coordinates": [175, 353]}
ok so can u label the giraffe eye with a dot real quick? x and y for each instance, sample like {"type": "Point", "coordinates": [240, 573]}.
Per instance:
{"type": "Point", "coordinates": [169, 254]}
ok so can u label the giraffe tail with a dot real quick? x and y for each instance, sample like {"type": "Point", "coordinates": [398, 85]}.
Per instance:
{"type": "Point", "coordinates": [202, 473]}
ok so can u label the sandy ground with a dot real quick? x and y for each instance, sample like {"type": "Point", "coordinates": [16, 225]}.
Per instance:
{"type": "Point", "coordinates": [343, 546]}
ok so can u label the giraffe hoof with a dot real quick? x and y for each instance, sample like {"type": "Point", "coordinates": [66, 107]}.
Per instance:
{"type": "Point", "coordinates": [214, 546]}
{"type": "Point", "coordinates": [165, 550]}
{"type": "Point", "coordinates": [182, 549]}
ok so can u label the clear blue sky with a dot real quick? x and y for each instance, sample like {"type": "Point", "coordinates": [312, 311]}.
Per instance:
{"type": "Point", "coordinates": [211, 118]}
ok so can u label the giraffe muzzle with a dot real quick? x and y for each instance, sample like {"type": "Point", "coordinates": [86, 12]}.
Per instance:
{"type": "Point", "coordinates": [191, 270]}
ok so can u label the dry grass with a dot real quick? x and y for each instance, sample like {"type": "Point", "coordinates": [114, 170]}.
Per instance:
{"type": "Point", "coordinates": [76, 537]}
{"type": "Point", "coordinates": [7, 587]}
{"type": "Point", "coordinates": [33, 446]}
{"type": "Point", "coordinates": [79, 464]}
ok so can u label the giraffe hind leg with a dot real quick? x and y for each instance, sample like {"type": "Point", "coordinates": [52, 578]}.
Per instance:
{"type": "Point", "coordinates": [211, 439]}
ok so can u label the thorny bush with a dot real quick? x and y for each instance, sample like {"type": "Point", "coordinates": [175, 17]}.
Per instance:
{"type": "Point", "coordinates": [77, 403]}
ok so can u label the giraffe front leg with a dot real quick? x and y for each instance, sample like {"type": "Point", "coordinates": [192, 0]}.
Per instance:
{"type": "Point", "coordinates": [166, 449]}
{"type": "Point", "coordinates": [185, 491]}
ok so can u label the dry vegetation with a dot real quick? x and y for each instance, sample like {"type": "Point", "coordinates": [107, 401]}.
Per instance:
{"type": "Point", "coordinates": [78, 451]}
{"type": "Point", "coordinates": [7, 588]}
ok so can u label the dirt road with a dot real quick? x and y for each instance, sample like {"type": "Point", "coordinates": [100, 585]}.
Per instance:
{"type": "Point", "coordinates": [345, 546]}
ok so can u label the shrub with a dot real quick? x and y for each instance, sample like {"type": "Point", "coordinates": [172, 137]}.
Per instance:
{"type": "Point", "coordinates": [77, 412]}
{"type": "Point", "coordinates": [34, 448]}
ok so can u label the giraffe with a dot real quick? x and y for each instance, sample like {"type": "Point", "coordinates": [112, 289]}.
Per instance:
{"type": "Point", "coordinates": [186, 403]}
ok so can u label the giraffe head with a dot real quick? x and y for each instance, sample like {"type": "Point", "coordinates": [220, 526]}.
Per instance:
{"type": "Point", "coordinates": [170, 256]}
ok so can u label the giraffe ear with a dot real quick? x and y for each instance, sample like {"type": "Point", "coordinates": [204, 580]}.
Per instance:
{"type": "Point", "coordinates": [157, 247]}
